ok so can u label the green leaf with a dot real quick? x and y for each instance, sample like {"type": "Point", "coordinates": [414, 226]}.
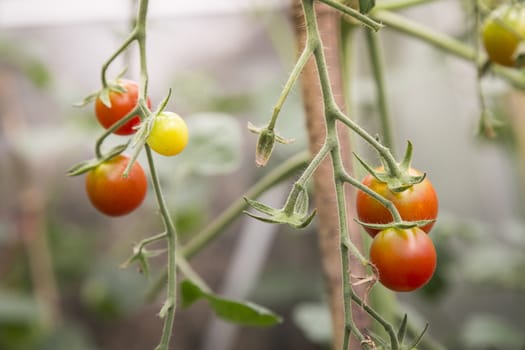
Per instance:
{"type": "Point", "coordinates": [190, 293]}
{"type": "Point", "coordinates": [244, 313]}
{"type": "Point", "coordinates": [215, 144]}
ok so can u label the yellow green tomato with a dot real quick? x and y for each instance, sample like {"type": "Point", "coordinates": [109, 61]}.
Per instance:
{"type": "Point", "coordinates": [169, 134]}
{"type": "Point", "coordinates": [502, 32]}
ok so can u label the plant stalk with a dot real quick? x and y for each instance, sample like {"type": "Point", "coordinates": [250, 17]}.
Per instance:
{"type": "Point", "coordinates": [316, 96]}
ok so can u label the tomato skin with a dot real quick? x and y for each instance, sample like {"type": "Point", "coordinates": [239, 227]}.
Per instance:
{"type": "Point", "coordinates": [121, 105]}
{"type": "Point", "coordinates": [169, 134]}
{"type": "Point", "coordinates": [113, 194]}
{"type": "Point", "coordinates": [502, 32]}
{"type": "Point", "coordinates": [419, 202]}
{"type": "Point", "coordinates": [405, 258]}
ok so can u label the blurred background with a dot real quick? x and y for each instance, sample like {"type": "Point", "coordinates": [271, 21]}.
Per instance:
{"type": "Point", "coordinates": [60, 282]}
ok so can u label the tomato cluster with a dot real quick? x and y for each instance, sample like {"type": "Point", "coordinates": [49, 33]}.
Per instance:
{"type": "Point", "coordinates": [108, 189]}
{"type": "Point", "coordinates": [404, 258]}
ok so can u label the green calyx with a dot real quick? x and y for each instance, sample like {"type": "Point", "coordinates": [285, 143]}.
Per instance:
{"type": "Point", "coordinates": [399, 225]}
{"type": "Point", "coordinates": [103, 94]}
{"type": "Point", "coordinates": [88, 165]}
{"type": "Point", "coordinates": [265, 143]}
{"type": "Point", "coordinates": [397, 176]}
{"type": "Point", "coordinates": [294, 213]}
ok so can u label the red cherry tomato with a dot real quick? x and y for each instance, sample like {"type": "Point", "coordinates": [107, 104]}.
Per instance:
{"type": "Point", "coordinates": [405, 259]}
{"type": "Point", "coordinates": [113, 194]}
{"type": "Point", "coordinates": [419, 202]}
{"type": "Point", "coordinates": [121, 104]}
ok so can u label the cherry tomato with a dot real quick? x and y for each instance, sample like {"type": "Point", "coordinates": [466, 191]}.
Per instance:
{"type": "Point", "coordinates": [169, 134]}
{"type": "Point", "coordinates": [121, 104]}
{"type": "Point", "coordinates": [502, 32]}
{"type": "Point", "coordinates": [113, 194]}
{"type": "Point", "coordinates": [418, 202]}
{"type": "Point", "coordinates": [405, 259]}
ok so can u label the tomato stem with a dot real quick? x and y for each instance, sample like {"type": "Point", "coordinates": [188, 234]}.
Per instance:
{"type": "Point", "coordinates": [367, 21]}
{"type": "Point", "coordinates": [171, 236]}
{"type": "Point", "coordinates": [297, 69]}
{"type": "Point", "coordinates": [228, 216]}
{"type": "Point", "coordinates": [333, 144]}
{"type": "Point", "coordinates": [374, 50]}
{"type": "Point", "coordinates": [131, 37]}
{"type": "Point", "coordinates": [385, 202]}
{"type": "Point", "coordinates": [394, 5]}
{"type": "Point", "coordinates": [140, 33]}
{"type": "Point", "coordinates": [138, 110]}
{"type": "Point", "coordinates": [443, 42]}
{"type": "Point", "coordinates": [377, 316]}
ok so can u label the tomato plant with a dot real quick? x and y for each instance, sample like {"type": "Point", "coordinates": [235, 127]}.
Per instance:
{"type": "Point", "coordinates": [121, 104]}
{"type": "Point", "coordinates": [405, 258]}
{"type": "Point", "coordinates": [169, 134]}
{"type": "Point", "coordinates": [112, 193]}
{"type": "Point", "coordinates": [502, 33]}
{"type": "Point", "coordinates": [418, 202]}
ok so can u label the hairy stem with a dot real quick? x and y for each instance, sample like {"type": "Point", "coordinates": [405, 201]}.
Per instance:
{"type": "Point", "coordinates": [384, 323]}
{"type": "Point", "coordinates": [171, 236]}
{"type": "Point", "coordinates": [131, 37]}
{"type": "Point", "coordinates": [316, 88]}
{"type": "Point", "coordinates": [219, 224]}
{"type": "Point", "coordinates": [445, 43]}
{"type": "Point", "coordinates": [297, 69]}
{"type": "Point", "coordinates": [367, 21]}
{"type": "Point", "coordinates": [377, 68]}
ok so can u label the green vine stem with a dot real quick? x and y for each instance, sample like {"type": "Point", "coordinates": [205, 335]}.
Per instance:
{"type": "Point", "coordinates": [138, 33]}
{"type": "Point", "coordinates": [367, 21]}
{"type": "Point", "coordinates": [374, 49]}
{"type": "Point", "coordinates": [112, 128]}
{"type": "Point", "coordinates": [123, 47]}
{"type": "Point", "coordinates": [219, 224]}
{"type": "Point", "coordinates": [394, 5]}
{"type": "Point", "coordinates": [313, 37]}
{"type": "Point", "coordinates": [169, 307]}
{"type": "Point", "coordinates": [345, 177]}
{"type": "Point", "coordinates": [297, 69]}
{"type": "Point", "coordinates": [332, 114]}
{"type": "Point", "coordinates": [443, 42]}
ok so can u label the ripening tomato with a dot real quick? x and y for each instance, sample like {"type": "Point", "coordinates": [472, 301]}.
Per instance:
{"type": "Point", "coordinates": [113, 194]}
{"type": "Point", "coordinates": [121, 104]}
{"type": "Point", "coordinates": [418, 202]}
{"type": "Point", "coordinates": [169, 134]}
{"type": "Point", "coordinates": [405, 258]}
{"type": "Point", "coordinates": [502, 32]}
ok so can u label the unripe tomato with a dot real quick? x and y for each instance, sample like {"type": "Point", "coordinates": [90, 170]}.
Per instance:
{"type": "Point", "coordinates": [502, 32]}
{"type": "Point", "coordinates": [169, 134]}
{"type": "Point", "coordinates": [113, 194]}
{"type": "Point", "coordinates": [121, 104]}
{"type": "Point", "coordinates": [405, 259]}
{"type": "Point", "coordinates": [418, 202]}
